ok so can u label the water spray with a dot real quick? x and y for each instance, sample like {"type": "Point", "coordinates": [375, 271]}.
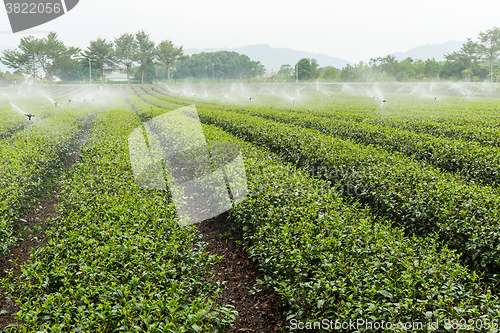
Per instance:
{"type": "Point", "coordinates": [29, 123]}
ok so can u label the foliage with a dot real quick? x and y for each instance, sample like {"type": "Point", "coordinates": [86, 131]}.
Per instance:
{"type": "Point", "coordinates": [145, 53]}
{"type": "Point", "coordinates": [148, 76]}
{"type": "Point", "coordinates": [422, 199]}
{"type": "Point", "coordinates": [100, 53]}
{"type": "Point", "coordinates": [307, 69]}
{"type": "Point", "coordinates": [167, 54]}
{"type": "Point", "coordinates": [23, 59]}
{"type": "Point", "coordinates": [118, 260]}
{"type": "Point", "coordinates": [220, 65]}
{"type": "Point", "coordinates": [330, 258]}
{"type": "Point", "coordinates": [124, 52]}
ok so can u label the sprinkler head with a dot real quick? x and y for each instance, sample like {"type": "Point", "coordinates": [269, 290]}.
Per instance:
{"type": "Point", "coordinates": [55, 103]}
{"type": "Point", "coordinates": [383, 101]}
{"type": "Point", "coordinates": [29, 116]}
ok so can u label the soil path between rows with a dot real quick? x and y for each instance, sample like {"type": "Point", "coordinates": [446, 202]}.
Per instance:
{"type": "Point", "coordinates": [259, 312]}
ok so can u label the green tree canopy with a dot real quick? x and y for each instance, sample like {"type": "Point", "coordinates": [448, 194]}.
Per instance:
{"type": "Point", "coordinates": [167, 54]}
{"type": "Point", "coordinates": [124, 52]}
{"type": "Point", "coordinates": [221, 65]}
{"type": "Point", "coordinates": [145, 54]}
{"type": "Point", "coordinates": [25, 58]}
{"type": "Point", "coordinates": [489, 46]}
{"type": "Point", "coordinates": [468, 56]}
{"type": "Point", "coordinates": [331, 73]}
{"type": "Point", "coordinates": [102, 55]}
{"type": "Point", "coordinates": [307, 69]}
{"type": "Point", "coordinates": [286, 70]}
{"type": "Point", "coordinates": [52, 54]}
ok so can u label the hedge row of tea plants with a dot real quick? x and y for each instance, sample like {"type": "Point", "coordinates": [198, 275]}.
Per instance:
{"type": "Point", "coordinates": [118, 261]}
{"type": "Point", "coordinates": [484, 132]}
{"type": "Point", "coordinates": [471, 159]}
{"type": "Point", "coordinates": [12, 121]}
{"type": "Point", "coordinates": [26, 165]}
{"type": "Point", "coordinates": [331, 259]}
{"type": "Point", "coordinates": [422, 199]}
{"type": "Point", "coordinates": [328, 258]}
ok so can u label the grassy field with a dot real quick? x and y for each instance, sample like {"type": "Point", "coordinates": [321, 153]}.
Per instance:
{"type": "Point", "coordinates": [372, 203]}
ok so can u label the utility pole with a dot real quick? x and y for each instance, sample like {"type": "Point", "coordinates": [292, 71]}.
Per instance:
{"type": "Point", "coordinates": [90, 71]}
{"type": "Point", "coordinates": [297, 73]}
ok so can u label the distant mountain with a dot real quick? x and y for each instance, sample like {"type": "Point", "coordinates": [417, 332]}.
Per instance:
{"type": "Point", "coordinates": [429, 51]}
{"type": "Point", "coordinates": [272, 58]}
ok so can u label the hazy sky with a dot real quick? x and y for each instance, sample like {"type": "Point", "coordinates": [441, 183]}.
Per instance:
{"type": "Point", "coordinates": [351, 29]}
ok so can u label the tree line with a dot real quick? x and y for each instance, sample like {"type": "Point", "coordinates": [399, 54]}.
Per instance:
{"type": "Point", "coordinates": [139, 56]}
{"type": "Point", "coordinates": [52, 57]}
{"type": "Point", "coordinates": [476, 60]}
{"type": "Point", "coordinates": [136, 54]}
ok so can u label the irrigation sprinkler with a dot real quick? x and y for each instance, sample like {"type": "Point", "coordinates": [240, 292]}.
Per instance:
{"type": "Point", "coordinates": [435, 101]}
{"type": "Point", "coordinates": [250, 98]}
{"type": "Point", "coordinates": [383, 107]}
{"type": "Point", "coordinates": [69, 102]}
{"type": "Point", "coordinates": [225, 98]}
{"type": "Point", "coordinates": [29, 123]}
{"type": "Point", "coordinates": [293, 104]}
{"type": "Point", "coordinates": [55, 109]}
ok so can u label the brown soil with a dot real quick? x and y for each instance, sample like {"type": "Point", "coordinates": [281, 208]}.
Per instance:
{"type": "Point", "coordinates": [259, 312]}
{"type": "Point", "coordinates": [33, 237]}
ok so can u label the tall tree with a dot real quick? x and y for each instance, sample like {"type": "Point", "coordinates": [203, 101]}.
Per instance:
{"type": "Point", "coordinates": [489, 46]}
{"type": "Point", "coordinates": [307, 69]}
{"type": "Point", "coordinates": [168, 54]}
{"type": "Point", "coordinates": [468, 56]}
{"type": "Point", "coordinates": [331, 73]}
{"type": "Point", "coordinates": [52, 54]}
{"type": "Point", "coordinates": [125, 48]}
{"type": "Point", "coordinates": [102, 52]}
{"type": "Point", "coordinates": [23, 59]}
{"type": "Point", "coordinates": [145, 54]}
{"type": "Point", "coordinates": [286, 70]}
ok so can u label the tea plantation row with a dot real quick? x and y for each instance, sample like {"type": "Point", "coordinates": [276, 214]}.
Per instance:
{"type": "Point", "coordinates": [328, 258]}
